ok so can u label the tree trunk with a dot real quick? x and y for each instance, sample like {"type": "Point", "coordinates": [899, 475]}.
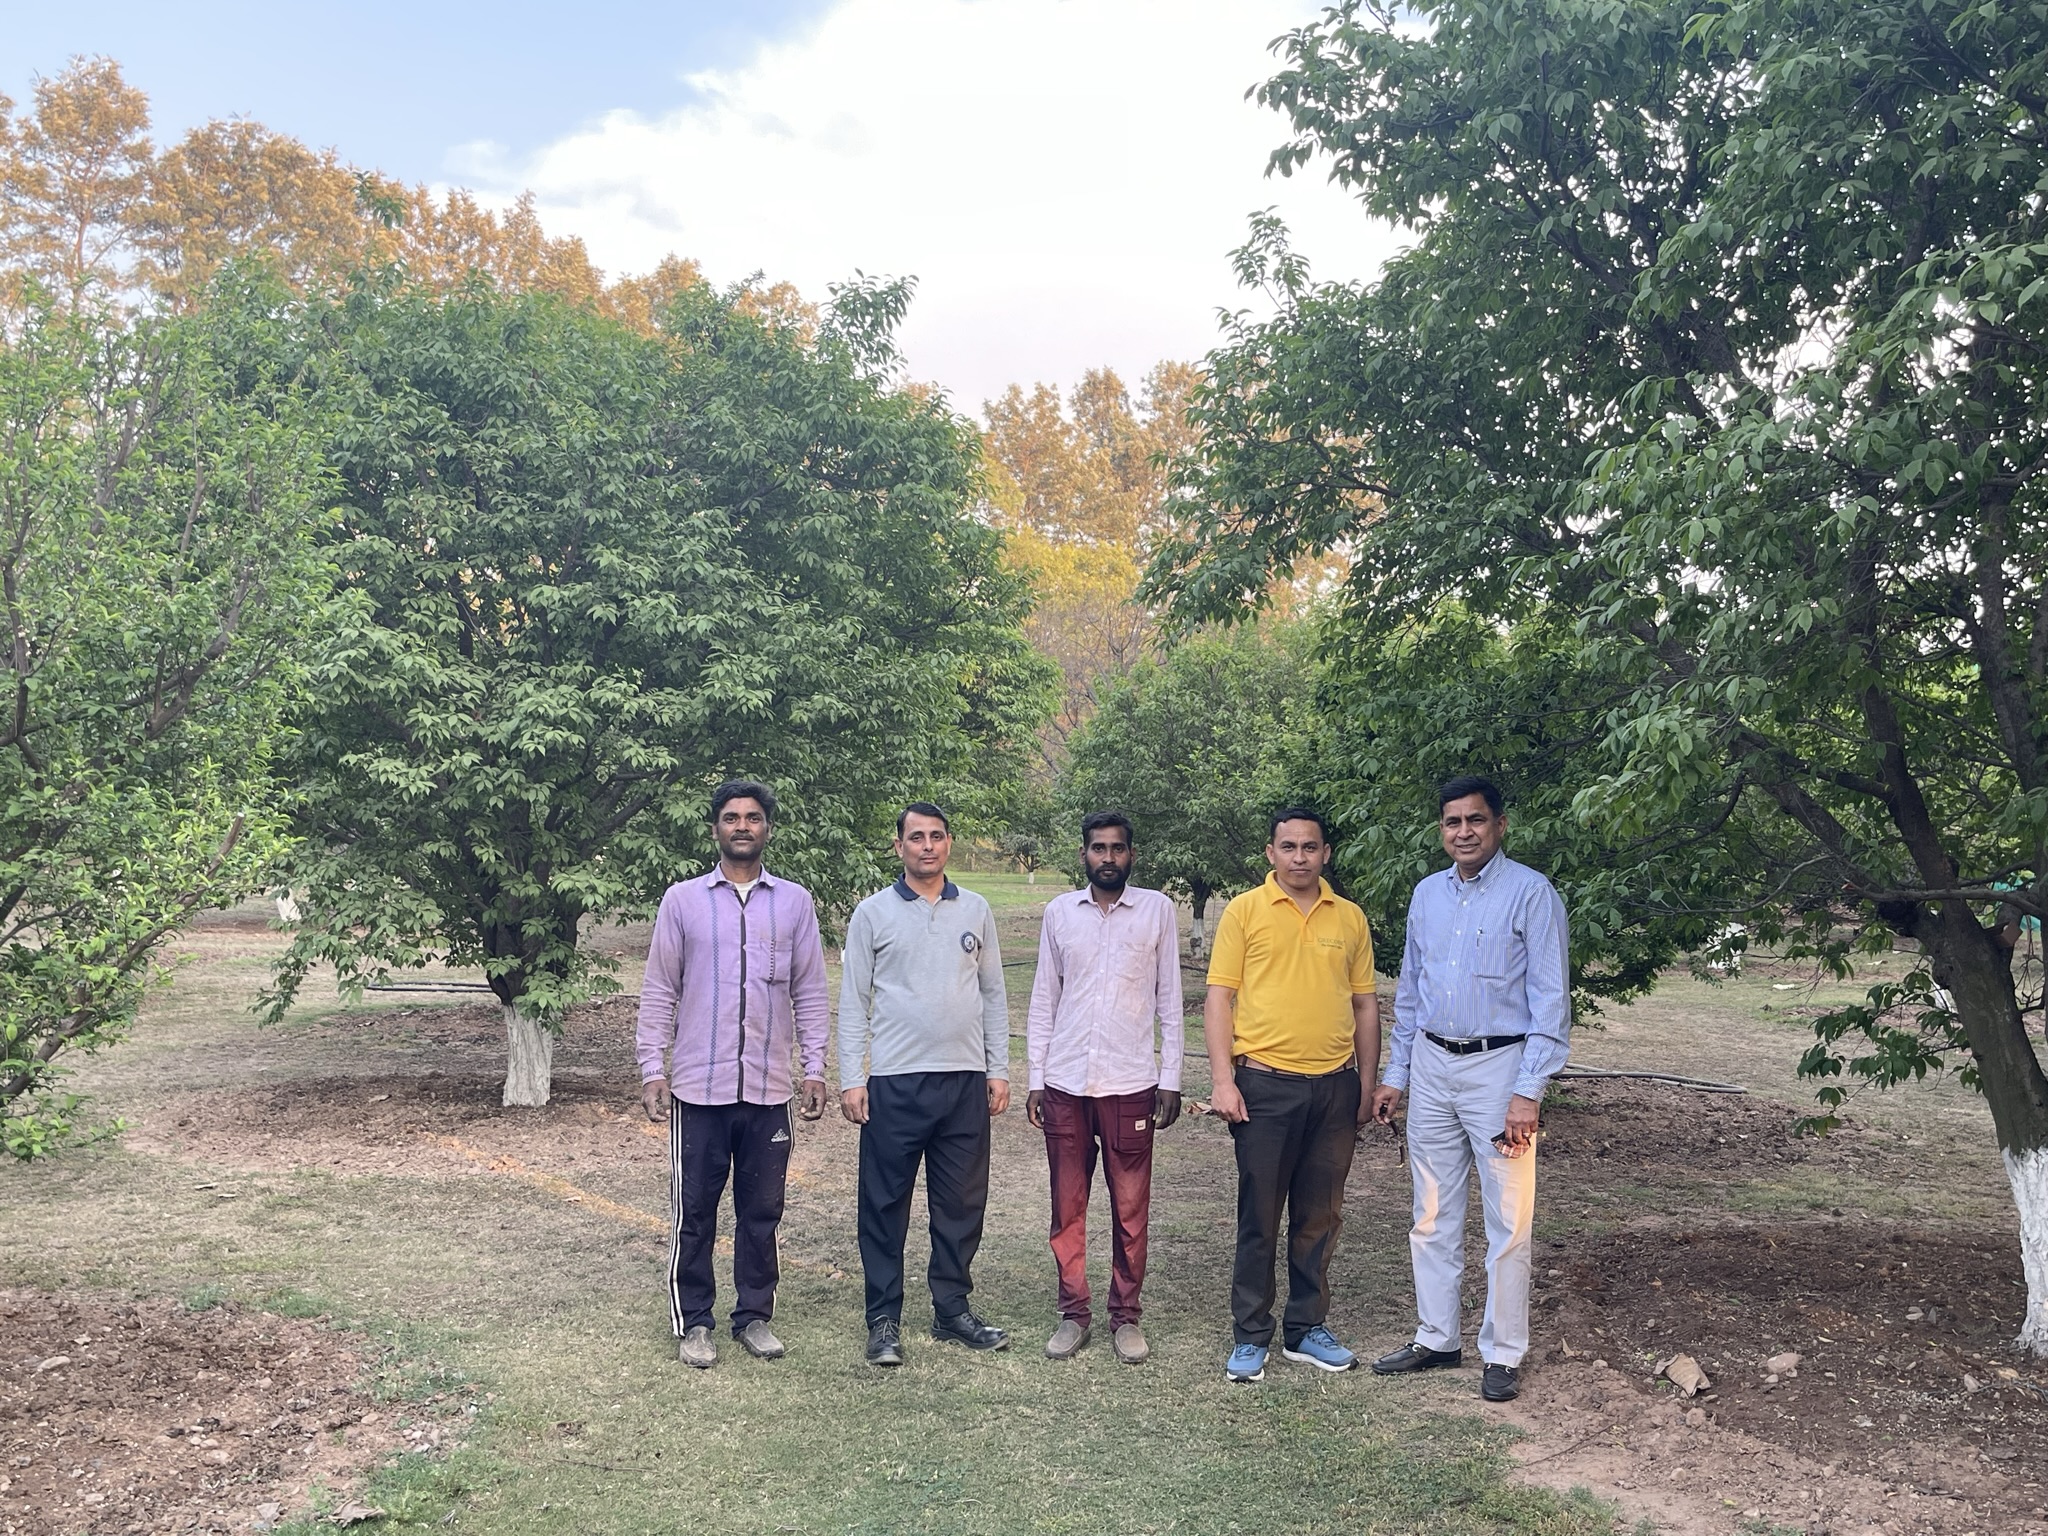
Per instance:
{"type": "Point", "coordinates": [529, 1061]}
{"type": "Point", "coordinates": [1966, 959]}
{"type": "Point", "coordinates": [1198, 941]}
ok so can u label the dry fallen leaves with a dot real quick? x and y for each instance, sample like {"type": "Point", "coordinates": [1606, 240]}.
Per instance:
{"type": "Point", "coordinates": [1684, 1373]}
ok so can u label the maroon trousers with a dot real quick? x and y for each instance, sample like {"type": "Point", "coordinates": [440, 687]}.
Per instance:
{"type": "Point", "coordinates": [1120, 1128]}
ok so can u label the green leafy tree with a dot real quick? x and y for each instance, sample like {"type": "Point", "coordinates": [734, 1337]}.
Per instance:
{"type": "Point", "coordinates": [1718, 357]}
{"type": "Point", "coordinates": [1403, 711]}
{"type": "Point", "coordinates": [1195, 747]}
{"type": "Point", "coordinates": [592, 572]}
{"type": "Point", "coordinates": [160, 491]}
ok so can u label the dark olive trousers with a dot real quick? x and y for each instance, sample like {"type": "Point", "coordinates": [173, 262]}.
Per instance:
{"type": "Point", "coordinates": [1294, 1153]}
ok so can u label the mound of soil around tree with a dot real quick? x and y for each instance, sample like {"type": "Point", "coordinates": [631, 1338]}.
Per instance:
{"type": "Point", "coordinates": [134, 1416]}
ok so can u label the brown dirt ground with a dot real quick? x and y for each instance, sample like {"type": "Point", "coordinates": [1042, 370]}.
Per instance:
{"type": "Point", "coordinates": [1879, 1430]}
{"type": "Point", "coordinates": [445, 1121]}
{"type": "Point", "coordinates": [132, 1416]}
{"type": "Point", "coordinates": [1641, 1259]}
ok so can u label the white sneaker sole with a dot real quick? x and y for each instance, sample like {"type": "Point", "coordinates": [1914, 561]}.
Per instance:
{"type": "Point", "coordinates": [1321, 1365]}
{"type": "Point", "coordinates": [1258, 1375]}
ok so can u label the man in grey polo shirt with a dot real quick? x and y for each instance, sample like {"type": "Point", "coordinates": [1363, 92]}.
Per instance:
{"type": "Point", "coordinates": [924, 1065]}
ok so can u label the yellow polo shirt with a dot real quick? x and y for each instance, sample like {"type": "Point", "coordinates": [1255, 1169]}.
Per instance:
{"type": "Point", "coordinates": [1294, 976]}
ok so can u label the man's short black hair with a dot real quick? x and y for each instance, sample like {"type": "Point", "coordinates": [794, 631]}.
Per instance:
{"type": "Point", "coordinates": [1095, 821]}
{"type": "Point", "coordinates": [743, 789]}
{"type": "Point", "coordinates": [1470, 784]}
{"type": "Point", "coordinates": [1296, 813]}
{"type": "Point", "coordinates": [921, 808]}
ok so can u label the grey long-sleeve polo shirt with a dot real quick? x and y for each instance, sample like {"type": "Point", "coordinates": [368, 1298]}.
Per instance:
{"type": "Point", "coordinates": [921, 988]}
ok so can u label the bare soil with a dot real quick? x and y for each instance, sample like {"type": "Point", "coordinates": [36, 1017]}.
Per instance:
{"type": "Point", "coordinates": [1908, 1412]}
{"type": "Point", "coordinates": [132, 1416]}
{"type": "Point", "coordinates": [440, 1119]}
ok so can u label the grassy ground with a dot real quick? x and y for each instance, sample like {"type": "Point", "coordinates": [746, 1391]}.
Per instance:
{"type": "Point", "coordinates": [553, 1303]}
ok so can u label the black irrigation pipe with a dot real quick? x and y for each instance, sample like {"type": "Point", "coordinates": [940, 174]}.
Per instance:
{"type": "Point", "coordinates": [1599, 1074]}
{"type": "Point", "coordinates": [428, 986]}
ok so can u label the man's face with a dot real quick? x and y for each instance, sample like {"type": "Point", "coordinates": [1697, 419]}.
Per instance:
{"type": "Point", "coordinates": [1298, 854]}
{"type": "Point", "coordinates": [1107, 858]}
{"type": "Point", "coordinates": [741, 830]}
{"type": "Point", "coordinates": [924, 845]}
{"type": "Point", "coordinates": [1472, 833]}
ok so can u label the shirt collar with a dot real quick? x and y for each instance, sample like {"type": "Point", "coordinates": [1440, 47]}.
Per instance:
{"type": "Point", "coordinates": [1493, 867]}
{"type": "Point", "coordinates": [1086, 897]}
{"type": "Point", "coordinates": [949, 892]}
{"type": "Point", "coordinates": [1277, 893]}
{"type": "Point", "coordinates": [718, 876]}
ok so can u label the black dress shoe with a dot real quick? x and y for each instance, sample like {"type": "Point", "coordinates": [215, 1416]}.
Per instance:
{"type": "Point", "coordinates": [885, 1341]}
{"type": "Point", "coordinates": [1417, 1357]}
{"type": "Point", "coordinates": [1500, 1383]}
{"type": "Point", "coordinates": [966, 1328]}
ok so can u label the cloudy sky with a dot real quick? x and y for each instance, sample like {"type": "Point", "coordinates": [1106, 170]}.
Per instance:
{"type": "Point", "coordinates": [1065, 178]}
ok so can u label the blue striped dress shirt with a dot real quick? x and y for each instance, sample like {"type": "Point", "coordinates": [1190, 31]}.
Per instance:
{"type": "Point", "coordinates": [1486, 956]}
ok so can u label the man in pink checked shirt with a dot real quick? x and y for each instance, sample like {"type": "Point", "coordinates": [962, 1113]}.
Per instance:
{"type": "Point", "coordinates": [735, 986]}
{"type": "Point", "coordinates": [1108, 977]}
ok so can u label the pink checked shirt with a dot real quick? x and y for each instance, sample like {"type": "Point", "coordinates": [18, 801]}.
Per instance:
{"type": "Point", "coordinates": [1105, 982]}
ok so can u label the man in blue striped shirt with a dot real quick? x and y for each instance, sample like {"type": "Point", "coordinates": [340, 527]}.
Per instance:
{"type": "Point", "coordinates": [1482, 1022]}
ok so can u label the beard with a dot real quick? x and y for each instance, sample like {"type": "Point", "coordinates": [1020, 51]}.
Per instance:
{"type": "Point", "coordinates": [738, 855]}
{"type": "Point", "coordinates": [1107, 877]}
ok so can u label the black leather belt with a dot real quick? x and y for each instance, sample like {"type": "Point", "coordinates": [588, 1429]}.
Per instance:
{"type": "Point", "coordinates": [1483, 1043]}
{"type": "Point", "coordinates": [1260, 1066]}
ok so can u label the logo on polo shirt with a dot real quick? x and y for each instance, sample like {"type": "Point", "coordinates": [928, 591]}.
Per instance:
{"type": "Point", "coordinates": [969, 942]}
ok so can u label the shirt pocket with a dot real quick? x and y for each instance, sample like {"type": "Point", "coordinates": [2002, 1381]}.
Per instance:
{"type": "Point", "coordinates": [1497, 955]}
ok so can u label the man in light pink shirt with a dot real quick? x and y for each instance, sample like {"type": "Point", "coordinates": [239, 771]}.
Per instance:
{"type": "Point", "coordinates": [1108, 978]}
{"type": "Point", "coordinates": [735, 987]}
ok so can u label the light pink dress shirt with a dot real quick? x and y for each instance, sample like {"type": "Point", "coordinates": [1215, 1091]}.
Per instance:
{"type": "Point", "coordinates": [1105, 980]}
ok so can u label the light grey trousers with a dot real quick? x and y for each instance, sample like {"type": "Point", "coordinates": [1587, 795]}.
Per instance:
{"type": "Point", "coordinates": [1456, 1106]}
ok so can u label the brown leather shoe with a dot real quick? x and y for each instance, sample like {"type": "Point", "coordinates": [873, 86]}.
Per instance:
{"type": "Point", "coordinates": [1066, 1340]}
{"type": "Point", "coordinates": [1129, 1344]}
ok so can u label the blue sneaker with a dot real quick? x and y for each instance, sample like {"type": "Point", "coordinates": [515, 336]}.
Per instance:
{"type": "Point", "coordinates": [1319, 1348]}
{"type": "Point", "coordinates": [1247, 1362]}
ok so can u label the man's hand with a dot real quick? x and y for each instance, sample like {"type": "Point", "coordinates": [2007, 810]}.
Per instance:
{"type": "Point", "coordinates": [814, 1098]}
{"type": "Point", "coordinates": [998, 1096]}
{"type": "Point", "coordinates": [1165, 1108]}
{"type": "Point", "coordinates": [1386, 1103]}
{"type": "Point", "coordinates": [1523, 1118]}
{"type": "Point", "coordinates": [853, 1103]}
{"type": "Point", "coordinates": [1367, 1092]}
{"type": "Point", "coordinates": [654, 1098]}
{"type": "Point", "coordinates": [1034, 1107]}
{"type": "Point", "coordinates": [1226, 1102]}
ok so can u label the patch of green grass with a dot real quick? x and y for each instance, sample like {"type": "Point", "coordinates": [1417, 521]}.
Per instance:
{"type": "Point", "coordinates": [289, 1301]}
{"type": "Point", "coordinates": [204, 1298]}
{"type": "Point", "coordinates": [416, 1493]}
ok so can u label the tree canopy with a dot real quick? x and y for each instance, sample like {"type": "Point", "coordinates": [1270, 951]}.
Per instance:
{"type": "Point", "coordinates": [1711, 386]}
{"type": "Point", "coordinates": [1196, 747]}
{"type": "Point", "coordinates": [160, 491]}
{"type": "Point", "coordinates": [590, 574]}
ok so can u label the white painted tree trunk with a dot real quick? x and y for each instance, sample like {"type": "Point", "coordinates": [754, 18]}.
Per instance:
{"type": "Point", "coordinates": [2029, 1174]}
{"type": "Point", "coordinates": [529, 1059]}
{"type": "Point", "coordinates": [1198, 939]}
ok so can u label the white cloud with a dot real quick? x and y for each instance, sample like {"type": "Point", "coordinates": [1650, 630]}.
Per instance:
{"type": "Point", "coordinates": [1065, 177]}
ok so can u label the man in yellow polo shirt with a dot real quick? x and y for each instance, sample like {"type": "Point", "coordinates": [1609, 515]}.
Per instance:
{"type": "Point", "coordinates": [1293, 1023]}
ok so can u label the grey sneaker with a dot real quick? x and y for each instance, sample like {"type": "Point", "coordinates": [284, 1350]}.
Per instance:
{"type": "Point", "coordinates": [757, 1341]}
{"type": "Point", "coordinates": [698, 1349]}
{"type": "Point", "coordinates": [1130, 1346]}
{"type": "Point", "coordinates": [1066, 1340]}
